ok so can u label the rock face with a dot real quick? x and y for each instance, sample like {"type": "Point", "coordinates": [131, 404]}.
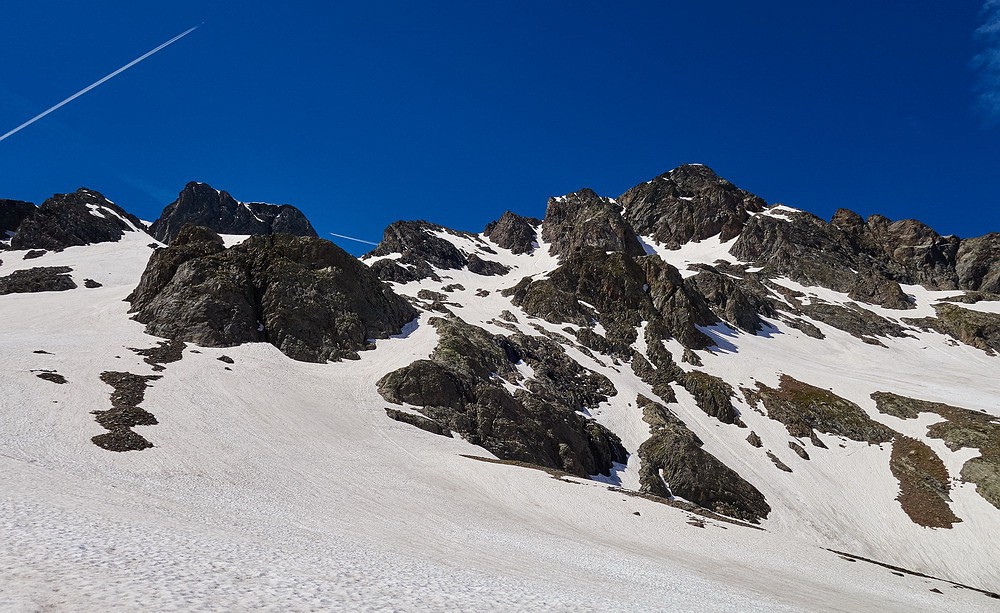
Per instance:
{"type": "Point", "coordinates": [12, 213]}
{"type": "Point", "coordinates": [584, 219]}
{"type": "Point", "coordinates": [513, 232]}
{"type": "Point", "coordinates": [69, 220]}
{"type": "Point", "coordinates": [620, 292]}
{"type": "Point", "coordinates": [43, 279]}
{"type": "Point", "coordinates": [306, 296]}
{"type": "Point", "coordinates": [462, 388]}
{"type": "Point", "coordinates": [974, 328]}
{"type": "Point", "coordinates": [673, 463]}
{"type": "Point", "coordinates": [804, 409]}
{"type": "Point", "coordinates": [202, 205]}
{"type": "Point", "coordinates": [688, 203]}
{"type": "Point", "coordinates": [421, 250]}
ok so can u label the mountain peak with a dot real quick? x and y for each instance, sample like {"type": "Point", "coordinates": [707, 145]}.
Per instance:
{"type": "Point", "coordinates": [201, 204]}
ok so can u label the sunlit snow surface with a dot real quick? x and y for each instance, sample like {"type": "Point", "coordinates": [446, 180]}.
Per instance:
{"type": "Point", "coordinates": [281, 485]}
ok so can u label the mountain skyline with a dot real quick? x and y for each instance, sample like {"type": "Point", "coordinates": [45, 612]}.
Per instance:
{"type": "Point", "coordinates": [362, 115]}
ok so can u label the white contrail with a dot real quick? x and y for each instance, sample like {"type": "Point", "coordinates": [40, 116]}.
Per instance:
{"type": "Point", "coordinates": [95, 84]}
{"type": "Point", "coordinates": [351, 238]}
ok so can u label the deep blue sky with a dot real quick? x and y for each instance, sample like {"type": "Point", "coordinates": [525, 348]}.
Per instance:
{"type": "Point", "coordinates": [364, 113]}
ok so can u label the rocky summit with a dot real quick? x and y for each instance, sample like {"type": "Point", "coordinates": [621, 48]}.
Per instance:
{"type": "Point", "coordinates": [203, 205]}
{"type": "Point", "coordinates": [681, 385]}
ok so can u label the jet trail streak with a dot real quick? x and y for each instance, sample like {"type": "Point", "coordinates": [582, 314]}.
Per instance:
{"type": "Point", "coordinates": [96, 83]}
{"type": "Point", "coordinates": [351, 238]}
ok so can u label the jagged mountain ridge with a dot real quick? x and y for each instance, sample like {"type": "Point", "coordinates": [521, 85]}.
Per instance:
{"type": "Point", "coordinates": [668, 338]}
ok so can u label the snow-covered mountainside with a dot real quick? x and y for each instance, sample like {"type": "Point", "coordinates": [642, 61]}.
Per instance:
{"type": "Point", "coordinates": [678, 399]}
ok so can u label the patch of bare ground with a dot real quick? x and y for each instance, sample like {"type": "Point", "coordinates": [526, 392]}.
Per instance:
{"type": "Point", "coordinates": [923, 482]}
{"type": "Point", "coordinates": [960, 428]}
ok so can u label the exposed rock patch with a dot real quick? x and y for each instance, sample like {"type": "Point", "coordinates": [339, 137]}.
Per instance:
{"type": "Point", "coordinates": [202, 205]}
{"type": "Point", "coordinates": [419, 421]}
{"type": "Point", "coordinates": [125, 412]}
{"type": "Point", "coordinates": [42, 279]}
{"type": "Point", "coordinates": [462, 388]}
{"type": "Point", "coordinates": [803, 408]}
{"type": "Point", "coordinates": [712, 395]}
{"type": "Point", "coordinates": [620, 292]}
{"type": "Point", "coordinates": [688, 203]}
{"type": "Point", "coordinates": [976, 328]}
{"type": "Point", "coordinates": [91, 284]}
{"type": "Point", "coordinates": [513, 232]}
{"type": "Point", "coordinates": [51, 375]}
{"type": "Point", "coordinates": [421, 250]}
{"type": "Point", "coordinates": [924, 483]}
{"type": "Point", "coordinates": [584, 219]}
{"type": "Point", "coordinates": [34, 253]}
{"type": "Point", "coordinates": [673, 463]}
{"type": "Point", "coordinates": [961, 428]}
{"type": "Point", "coordinates": [164, 352]}
{"type": "Point", "coordinates": [306, 296]}
{"type": "Point", "coordinates": [84, 217]}
{"type": "Point", "coordinates": [12, 213]}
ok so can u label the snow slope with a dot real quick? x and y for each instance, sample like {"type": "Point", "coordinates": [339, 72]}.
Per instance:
{"type": "Point", "coordinates": [281, 485]}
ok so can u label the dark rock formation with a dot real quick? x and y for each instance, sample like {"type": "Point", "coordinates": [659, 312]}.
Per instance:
{"type": "Point", "coordinates": [977, 264]}
{"type": "Point", "coordinates": [803, 408]}
{"type": "Point", "coordinates": [875, 289]}
{"type": "Point", "coordinates": [584, 219]}
{"type": "Point", "coordinates": [461, 388]}
{"type": "Point", "coordinates": [798, 449]}
{"type": "Point", "coordinates": [12, 213]}
{"type": "Point", "coordinates": [673, 463]}
{"type": "Point", "coordinates": [513, 232]}
{"type": "Point", "coordinates": [688, 203]}
{"type": "Point", "coordinates": [853, 319]}
{"type": "Point", "coordinates": [740, 303]}
{"type": "Point", "coordinates": [91, 284]}
{"type": "Point", "coordinates": [778, 463]}
{"type": "Point", "coordinates": [924, 483]}
{"type": "Point", "coordinates": [125, 412]}
{"type": "Point", "coordinates": [34, 253]}
{"type": "Point", "coordinates": [202, 205]}
{"type": "Point", "coordinates": [712, 395]}
{"type": "Point", "coordinates": [43, 279]}
{"type": "Point", "coordinates": [419, 421]}
{"type": "Point", "coordinates": [976, 328]}
{"type": "Point", "coordinates": [421, 250]}
{"type": "Point", "coordinates": [68, 220]}
{"type": "Point", "coordinates": [960, 428]}
{"type": "Point", "coordinates": [306, 296]}
{"type": "Point", "coordinates": [52, 376]}
{"type": "Point", "coordinates": [624, 292]}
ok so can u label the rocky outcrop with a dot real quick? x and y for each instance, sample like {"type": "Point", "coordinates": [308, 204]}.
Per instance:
{"type": "Point", "coordinates": [12, 213]}
{"type": "Point", "coordinates": [673, 463]}
{"type": "Point", "coordinates": [712, 395]}
{"type": "Point", "coordinates": [84, 217]}
{"type": "Point", "coordinates": [960, 428]}
{"type": "Point", "coordinates": [202, 205]}
{"type": "Point", "coordinates": [464, 387]}
{"type": "Point", "coordinates": [977, 264]}
{"type": "Point", "coordinates": [583, 219]}
{"type": "Point", "coordinates": [689, 203]}
{"type": "Point", "coordinates": [421, 249]}
{"type": "Point", "coordinates": [513, 232]}
{"type": "Point", "coordinates": [924, 483]}
{"type": "Point", "coordinates": [306, 296]}
{"type": "Point", "coordinates": [875, 289]}
{"type": "Point", "coordinates": [620, 292]}
{"type": "Point", "coordinates": [976, 328]}
{"type": "Point", "coordinates": [42, 279]}
{"type": "Point", "coordinates": [740, 303]}
{"type": "Point", "coordinates": [804, 408]}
